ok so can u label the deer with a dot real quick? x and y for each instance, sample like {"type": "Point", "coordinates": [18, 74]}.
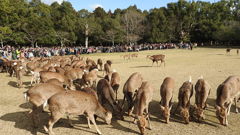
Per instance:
{"type": "Point", "coordinates": [227, 93]}
{"type": "Point", "coordinates": [166, 93]}
{"type": "Point", "coordinates": [90, 78]}
{"type": "Point", "coordinates": [100, 63]}
{"type": "Point", "coordinates": [202, 91]}
{"type": "Point", "coordinates": [130, 89]}
{"type": "Point", "coordinates": [228, 50]}
{"type": "Point", "coordinates": [156, 58]}
{"type": "Point", "coordinates": [76, 103]}
{"type": "Point", "coordinates": [141, 106]}
{"type": "Point", "coordinates": [184, 96]}
{"type": "Point", "coordinates": [37, 96]}
{"type": "Point", "coordinates": [106, 95]}
{"type": "Point", "coordinates": [114, 80]}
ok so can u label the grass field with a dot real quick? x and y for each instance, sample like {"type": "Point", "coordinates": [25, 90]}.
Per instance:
{"type": "Point", "coordinates": [213, 64]}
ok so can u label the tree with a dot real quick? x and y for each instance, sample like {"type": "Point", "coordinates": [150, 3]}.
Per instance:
{"type": "Point", "coordinates": [132, 21]}
{"type": "Point", "coordinates": [4, 34]}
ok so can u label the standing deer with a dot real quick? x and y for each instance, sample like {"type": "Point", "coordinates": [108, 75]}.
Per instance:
{"type": "Point", "coordinates": [78, 103]}
{"type": "Point", "coordinates": [156, 58]}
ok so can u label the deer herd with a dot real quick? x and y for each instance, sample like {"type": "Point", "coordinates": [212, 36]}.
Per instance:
{"type": "Point", "coordinates": [67, 85]}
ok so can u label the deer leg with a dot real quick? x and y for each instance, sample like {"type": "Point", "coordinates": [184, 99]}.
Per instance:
{"type": "Point", "coordinates": [229, 108]}
{"type": "Point", "coordinates": [89, 123]}
{"type": "Point", "coordinates": [54, 118]}
{"type": "Point", "coordinates": [91, 117]}
{"type": "Point", "coordinates": [148, 118]}
{"type": "Point", "coordinates": [236, 105]}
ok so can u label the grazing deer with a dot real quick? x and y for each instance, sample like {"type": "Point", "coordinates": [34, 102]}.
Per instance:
{"type": "Point", "coordinates": [130, 89]}
{"type": "Point", "coordinates": [227, 93]}
{"type": "Point", "coordinates": [166, 92]}
{"type": "Point", "coordinates": [141, 106]}
{"type": "Point", "coordinates": [184, 96]}
{"type": "Point", "coordinates": [106, 94]}
{"type": "Point", "coordinates": [202, 91]}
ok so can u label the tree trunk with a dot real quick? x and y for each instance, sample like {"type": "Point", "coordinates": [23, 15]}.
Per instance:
{"type": "Point", "coordinates": [86, 34]}
{"type": "Point", "coordinates": [32, 43]}
{"type": "Point", "coordinates": [61, 42]}
{"type": "Point", "coordinates": [2, 43]}
{"type": "Point", "coordinates": [86, 42]}
{"type": "Point", "coordinates": [113, 42]}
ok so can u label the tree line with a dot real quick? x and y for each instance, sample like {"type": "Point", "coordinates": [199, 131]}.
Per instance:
{"type": "Point", "coordinates": [35, 23]}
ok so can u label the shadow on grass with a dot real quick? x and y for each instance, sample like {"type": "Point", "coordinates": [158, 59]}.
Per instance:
{"type": "Point", "coordinates": [13, 84]}
{"type": "Point", "coordinates": [26, 105]}
{"type": "Point", "coordinates": [21, 121]}
{"type": "Point", "coordinates": [118, 126]}
{"type": "Point", "coordinates": [141, 67]}
{"type": "Point", "coordinates": [27, 83]}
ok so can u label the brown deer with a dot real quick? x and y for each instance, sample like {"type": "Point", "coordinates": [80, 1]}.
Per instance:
{"type": "Point", "coordinates": [202, 91]}
{"type": "Point", "coordinates": [76, 103]}
{"type": "Point", "coordinates": [39, 94]}
{"type": "Point", "coordinates": [184, 96]}
{"type": "Point", "coordinates": [166, 93]}
{"type": "Point", "coordinates": [141, 106]}
{"type": "Point", "coordinates": [130, 89]}
{"type": "Point", "coordinates": [156, 58]}
{"type": "Point", "coordinates": [100, 63]}
{"type": "Point", "coordinates": [228, 50]}
{"type": "Point", "coordinates": [114, 79]}
{"type": "Point", "coordinates": [106, 95]}
{"type": "Point", "coordinates": [227, 93]}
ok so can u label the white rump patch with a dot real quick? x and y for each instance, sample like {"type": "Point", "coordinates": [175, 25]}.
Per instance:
{"type": "Point", "coordinates": [15, 63]}
{"type": "Point", "coordinates": [21, 67]}
{"type": "Point", "coordinates": [114, 70]}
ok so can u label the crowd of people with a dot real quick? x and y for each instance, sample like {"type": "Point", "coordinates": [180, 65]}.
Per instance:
{"type": "Point", "coordinates": [14, 53]}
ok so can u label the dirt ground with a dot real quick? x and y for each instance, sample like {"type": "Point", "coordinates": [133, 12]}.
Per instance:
{"type": "Point", "coordinates": [213, 64]}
